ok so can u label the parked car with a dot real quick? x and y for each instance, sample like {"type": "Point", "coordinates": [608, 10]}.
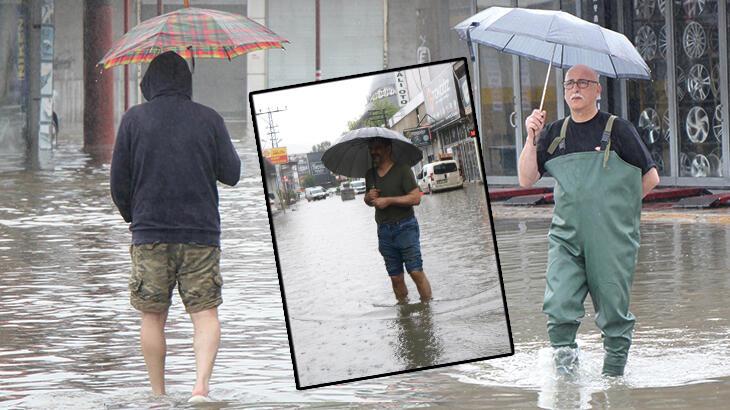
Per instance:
{"type": "Point", "coordinates": [331, 192]}
{"type": "Point", "coordinates": [358, 186]}
{"type": "Point", "coordinates": [315, 193]}
{"type": "Point", "coordinates": [439, 176]}
{"type": "Point", "coordinates": [347, 191]}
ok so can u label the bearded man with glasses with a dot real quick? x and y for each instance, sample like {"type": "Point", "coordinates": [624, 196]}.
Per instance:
{"type": "Point", "coordinates": [602, 170]}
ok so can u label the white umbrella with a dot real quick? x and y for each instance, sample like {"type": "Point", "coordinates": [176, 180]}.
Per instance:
{"type": "Point", "coordinates": [554, 37]}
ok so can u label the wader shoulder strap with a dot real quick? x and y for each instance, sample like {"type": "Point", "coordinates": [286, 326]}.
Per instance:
{"type": "Point", "coordinates": [561, 138]}
{"type": "Point", "coordinates": [606, 139]}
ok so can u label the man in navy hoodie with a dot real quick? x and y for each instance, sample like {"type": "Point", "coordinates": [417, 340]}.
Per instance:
{"type": "Point", "coordinates": [168, 155]}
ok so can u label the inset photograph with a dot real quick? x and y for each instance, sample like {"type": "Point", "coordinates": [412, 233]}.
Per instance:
{"type": "Point", "coordinates": [382, 228]}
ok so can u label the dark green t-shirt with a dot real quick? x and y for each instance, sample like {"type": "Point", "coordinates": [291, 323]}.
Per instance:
{"type": "Point", "coordinates": [397, 182]}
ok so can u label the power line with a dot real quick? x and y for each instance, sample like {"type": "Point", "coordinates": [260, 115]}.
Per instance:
{"type": "Point", "coordinates": [273, 129]}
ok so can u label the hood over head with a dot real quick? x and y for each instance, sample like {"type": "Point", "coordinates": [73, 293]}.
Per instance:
{"type": "Point", "coordinates": [167, 74]}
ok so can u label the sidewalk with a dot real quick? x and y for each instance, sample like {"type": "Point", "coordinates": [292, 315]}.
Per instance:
{"type": "Point", "coordinates": [662, 211]}
{"type": "Point", "coordinates": [719, 216]}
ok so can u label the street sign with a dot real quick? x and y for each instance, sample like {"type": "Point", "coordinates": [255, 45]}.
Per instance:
{"type": "Point", "coordinates": [276, 155]}
{"type": "Point", "coordinates": [419, 136]}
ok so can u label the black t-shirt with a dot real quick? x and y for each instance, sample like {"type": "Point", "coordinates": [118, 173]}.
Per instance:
{"type": "Point", "coordinates": [398, 181]}
{"type": "Point", "coordinates": [586, 136]}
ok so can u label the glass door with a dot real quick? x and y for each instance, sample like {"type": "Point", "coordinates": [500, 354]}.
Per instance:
{"type": "Point", "coordinates": [497, 96]}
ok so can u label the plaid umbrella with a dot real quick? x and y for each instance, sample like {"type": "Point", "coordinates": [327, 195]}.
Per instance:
{"type": "Point", "coordinates": [192, 32]}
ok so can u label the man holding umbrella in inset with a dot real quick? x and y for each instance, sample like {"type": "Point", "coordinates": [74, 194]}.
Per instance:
{"type": "Point", "coordinates": [384, 157]}
{"type": "Point", "coordinates": [398, 234]}
{"type": "Point", "coordinates": [601, 167]}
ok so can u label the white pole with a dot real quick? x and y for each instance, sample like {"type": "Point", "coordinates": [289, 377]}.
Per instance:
{"type": "Point", "coordinates": [547, 76]}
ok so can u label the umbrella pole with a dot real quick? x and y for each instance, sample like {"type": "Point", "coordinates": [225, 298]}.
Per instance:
{"type": "Point", "coordinates": [547, 76]}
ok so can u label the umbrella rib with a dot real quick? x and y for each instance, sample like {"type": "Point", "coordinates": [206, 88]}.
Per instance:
{"type": "Point", "coordinates": [507, 43]}
{"type": "Point", "coordinates": [347, 150]}
{"type": "Point", "coordinates": [609, 54]}
{"type": "Point", "coordinates": [612, 65]}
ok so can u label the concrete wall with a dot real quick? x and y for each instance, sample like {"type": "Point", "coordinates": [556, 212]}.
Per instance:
{"type": "Point", "coordinates": [220, 84]}
{"type": "Point", "coordinates": [351, 39]}
{"type": "Point", "coordinates": [420, 31]}
{"type": "Point", "coordinates": [12, 74]}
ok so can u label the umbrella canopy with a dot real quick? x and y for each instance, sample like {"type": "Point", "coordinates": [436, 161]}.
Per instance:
{"type": "Point", "coordinates": [191, 32]}
{"type": "Point", "coordinates": [557, 38]}
{"type": "Point", "coordinates": [350, 155]}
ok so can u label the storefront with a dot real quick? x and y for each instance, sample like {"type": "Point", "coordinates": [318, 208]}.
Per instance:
{"type": "Point", "coordinates": [679, 114]}
{"type": "Point", "coordinates": [447, 104]}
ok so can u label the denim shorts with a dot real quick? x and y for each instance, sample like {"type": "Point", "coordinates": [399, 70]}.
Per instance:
{"type": "Point", "coordinates": [399, 243]}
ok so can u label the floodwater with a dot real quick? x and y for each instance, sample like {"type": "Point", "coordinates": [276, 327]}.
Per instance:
{"type": "Point", "coordinates": [343, 314]}
{"type": "Point", "coordinates": [68, 334]}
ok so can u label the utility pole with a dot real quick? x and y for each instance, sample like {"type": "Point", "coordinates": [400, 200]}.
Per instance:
{"type": "Point", "coordinates": [317, 67]}
{"type": "Point", "coordinates": [275, 140]}
{"type": "Point", "coordinates": [271, 125]}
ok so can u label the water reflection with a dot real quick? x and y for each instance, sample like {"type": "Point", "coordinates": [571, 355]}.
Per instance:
{"type": "Point", "coordinates": [417, 345]}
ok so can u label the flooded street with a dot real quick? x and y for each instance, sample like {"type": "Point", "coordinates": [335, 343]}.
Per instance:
{"type": "Point", "coordinates": [68, 336]}
{"type": "Point", "coordinates": [340, 298]}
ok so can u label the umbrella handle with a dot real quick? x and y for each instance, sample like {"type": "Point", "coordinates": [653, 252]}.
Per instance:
{"type": "Point", "coordinates": [472, 26]}
{"type": "Point", "coordinates": [544, 88]}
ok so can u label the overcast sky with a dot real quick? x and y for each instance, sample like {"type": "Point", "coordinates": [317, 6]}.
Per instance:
{"type": "Point", "coordinates": [313, 114]}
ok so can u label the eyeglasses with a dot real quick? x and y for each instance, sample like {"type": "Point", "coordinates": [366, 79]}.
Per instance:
{"type": "Point", "coordinates": [582, 84]}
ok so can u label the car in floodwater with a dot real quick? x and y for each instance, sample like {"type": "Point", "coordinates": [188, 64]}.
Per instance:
{"type": "Point", "coordinates": [315, 193]}
{"type": "Point", "coordinates": [358, 186]}
{"type": "Point", "coordinates": [440, 176]}
{"type": "Point", "coordinates": [347, 192]}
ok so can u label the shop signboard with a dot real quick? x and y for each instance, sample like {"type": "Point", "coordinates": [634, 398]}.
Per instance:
{"type": "Point", "coordinates": [419, 136]}
{"type": "Point", "coordinates": [440, 97]}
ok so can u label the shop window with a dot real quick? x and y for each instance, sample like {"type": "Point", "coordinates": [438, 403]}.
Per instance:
{"type": "Point", "coordinates": [648, 106]}
{"type": "Point", "coordinates": [699, 93]}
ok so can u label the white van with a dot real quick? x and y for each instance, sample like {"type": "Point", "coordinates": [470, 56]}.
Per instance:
{"type": "Point", "coordinates": [439, 176]}
{"type": "Point", "coordinates": [315, 193]}
{"type": "Point", "coordinates": [358, 185]}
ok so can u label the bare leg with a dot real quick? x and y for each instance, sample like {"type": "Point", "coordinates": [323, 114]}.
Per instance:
{"type": "Point", "coordinates": [422, 284]}
{"type": "Point", "coordinates": [399, 288]}
{"type": "Point", "coordinates": [154, 348]}
{"type": "Point", "coordinates": [206, 341]}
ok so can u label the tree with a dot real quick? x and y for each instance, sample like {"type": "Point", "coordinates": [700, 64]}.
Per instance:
{"type": "Point", "coordinates": [308, 181]}
{"type": "Point", "coordinates": [321, 147]}
{"type": "Point", "coordinates": [388, 107]}
{"type": "Point", "coordinates": [380, 109]}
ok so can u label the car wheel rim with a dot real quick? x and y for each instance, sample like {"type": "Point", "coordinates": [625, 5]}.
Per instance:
{"type": "Point", "coordinates": [715, 165]}
{"type": "Point", "coordinates": [698, 82]}
{"type": "Point", "coordinates": [681, 78]}
{"type": "Point", "coordinates": [693, 8]}
{"type": "Point", "coordinates": [649, 125]}
{"type": "Point", "coordinates": [694, 40]}
{"type": "Point", "coordinates": [644, 8]}
{"type": "Point", "coordinates": [663, 41]}
{"type": "Point", "coordinates": [646, 42]}
{"type": "Point", "coordinates": [717, 123]}
{"type": "Point", "coordinates": [685, 164]}
{"type": "Point", "coordinates": [700, 166]}
{"type": "Point", "coordinates": [697, 125]}
{"type": "Point", "coordinates": [715, 81]}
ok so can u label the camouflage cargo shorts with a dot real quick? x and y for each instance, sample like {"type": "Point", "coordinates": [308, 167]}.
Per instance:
{"type": "Point", "coordinates": [157, 267]}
